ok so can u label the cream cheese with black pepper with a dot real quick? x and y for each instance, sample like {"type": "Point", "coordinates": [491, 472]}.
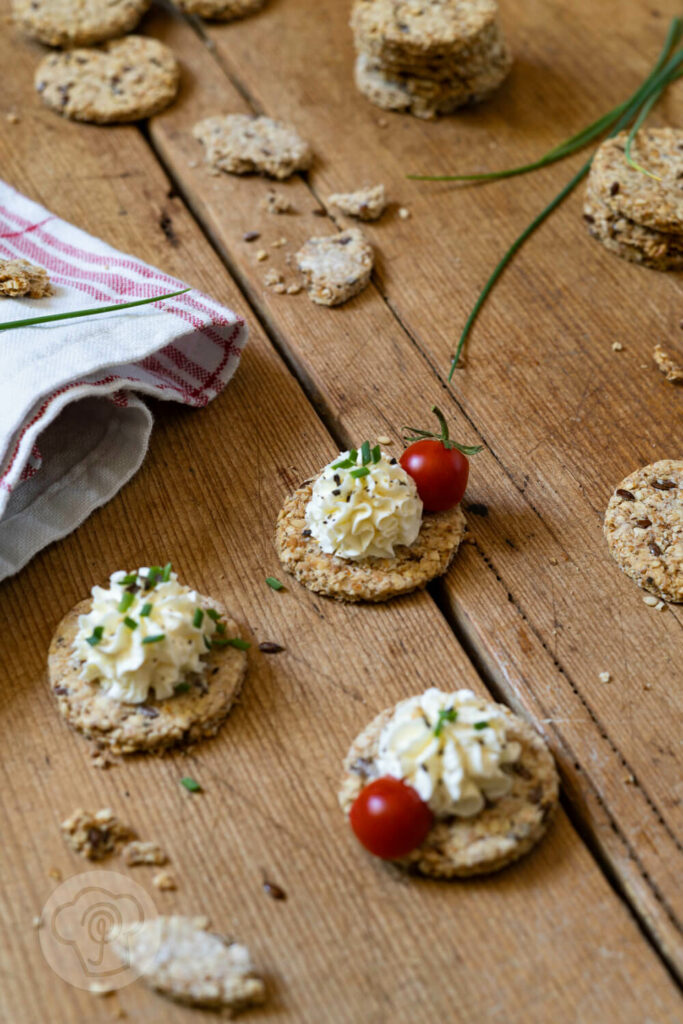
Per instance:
{"type": "Point", "coordinates": [146, 631]}
{"type": "Point", "coordinates": [451, 748]}
{"type": "Point", "coordinates": [364, 505]}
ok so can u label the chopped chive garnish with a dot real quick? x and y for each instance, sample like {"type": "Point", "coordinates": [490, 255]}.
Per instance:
{"type": "Point", "coordinates": [376, 453]}
{"type": "Point", "coordinates": [361, 471]}
{"type": "Point", "coordinates": [181, 687]}
{"type": "Point", "coordinates": [126, 601]}
{"type": "Point", "coordinates": [191, 784]}
{"type": "Point", "coordinates": [146, 609]}
{"type": "Point", "coordinates": [344, 464]}
{"type": "Point", "coordinates": [365, 452]}
{"type": "Point", "coordinates": [152, 579]}
{"type": "Point", "coordinates": [274, 583]}
{"type": "Point", "coordinates": [481, 725]}
{"type": "Point", "coordinates": [207, 643]}
{"type": "Point", "coordinates": [213, 614]}
{"type": "Point", "coordinates": [131, 623]}
{"type": "Point", "coordinates": [220, 627]}
{"type": "Point", "coordinates": [353, 455]}
{"type": "Point", "coordinates": [232, 641]}
{"type": "Point", "coordinates": [450, 715]}
{"type": "Point", "coordinates": [157, 638]}
{"type": "Point", "coordinates": [198, 618]}
{"type": "Point", "coordinates": [166, 573]}
{"type": "Point", "coordinates": [128, 579]}
{"type": "Point", "coordinates": [96, 636]}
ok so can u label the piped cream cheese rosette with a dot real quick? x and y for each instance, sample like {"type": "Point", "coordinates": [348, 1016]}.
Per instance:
{"type": "Point", "coordinates": [448, 785]}
{"type": "Point", "coordinates": [358, 531]}
{"type": "Point", "coordinates": [146, 663]}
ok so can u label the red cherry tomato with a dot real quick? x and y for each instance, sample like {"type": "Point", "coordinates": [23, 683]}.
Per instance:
{"type": "Point", "coordinates": [440, 473]}
{"type": "Point", "coordinates": [389, 818]}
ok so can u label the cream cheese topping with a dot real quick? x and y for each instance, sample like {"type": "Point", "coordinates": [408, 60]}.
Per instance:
{"type": "Point", "coordinates": [364, 510]}
{"type": "Point", "coordinates": [451, 748]}
{"type": "Point", "coordinates": [143, 633]}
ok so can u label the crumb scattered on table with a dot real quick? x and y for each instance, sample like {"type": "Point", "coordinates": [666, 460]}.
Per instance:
{"type": "Point", "coordinates": [143, 852]}
{"type": "Point", "coordinates": [94, 836]}
{"type": "Point", "coordinates": [672, 369]}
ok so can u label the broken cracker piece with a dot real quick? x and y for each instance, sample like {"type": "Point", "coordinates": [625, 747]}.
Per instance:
{"type": "Point", "coordinates": [336, 267]}
{"type": "Point", "coordinates": [368, 203]}
{"type": "Point", "coordinates": [239, 144]}
{"type": "Point", "coordinates": [181, 960]}
{"type": "Point", "coordinates": [276, 202]}
{"type": "Point", "coordinates": [19, 278]}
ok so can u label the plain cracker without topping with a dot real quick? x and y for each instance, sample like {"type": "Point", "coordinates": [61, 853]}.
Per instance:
{"type": "Point", "coordinates": [221, 10]}
{"type": "Point", "coordinates": [335, 267]}
{"type": "Point", "coordinates": [154, 726]}
{"type": "Point", "coordinates": [502, 833]}
{"type": "Point", "coordinates": [124, 80]}
{"type": "Point", "coordinates": [373, 579]}
{"type": "Point", "coordinates": [656, 204]}
{"type": "Point", "coordinates": [654, 249]}
{"type": "Point", "coordinates": [77, 22]}
{"type": "Point", "coordinates": [644, 528]}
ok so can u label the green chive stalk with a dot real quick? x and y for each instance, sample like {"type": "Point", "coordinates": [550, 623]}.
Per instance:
{"type": "Point", "coordinates": [88, 312]}
{"type": "Point", "coordinates": [664, 73]}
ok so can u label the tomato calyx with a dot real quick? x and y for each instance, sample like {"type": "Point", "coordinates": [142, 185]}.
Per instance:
{"type": "Point", "coordinates": [443, 436]}
{"type": "Point", "coordinates": [389, 818]}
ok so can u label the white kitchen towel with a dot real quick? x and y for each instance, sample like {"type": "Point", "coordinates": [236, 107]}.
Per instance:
{"type": "Point", "coordinates": [72, 431]}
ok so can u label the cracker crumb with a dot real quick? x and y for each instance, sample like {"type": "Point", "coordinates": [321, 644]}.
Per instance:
{"type": "Point", "coordinates": [275, 202]}
{"type": "Point", "coordinates": [278, 243]}
{"type": "Point", "coordinates": [193, 163]}
{"type": "Point", "coordinates": [650, 600]}
{"type": "Point", "coordinates": [605, 677]}
{"type": "Point", "coordinates": [553, 561]}
{"type": "Point", "coordinates": [100, 988]}
{"type": "Point", "coordinates": [617, 346]}
{"type": "Point", "coordinates": [279, 289]}
{"type": "Point", "coordinates": [12, 118]}
{"type": "Point", "coordinates": [19, 277]}
{"type": "Point", "coordinates": [630, 780]}
{"type": "Point", "coordinates": [143, 852]}
{"type": "Point", "coordinates": [660, 607]}
{"type": "Point", "coordinates": [272, 277]}
{"type": "Point", "coordinates": [94, 836]}
{"type": "Point", "coordinates": [647, 686]}
{"type": "Point", "coordinates": [404, 213]}
{"type": "Point", "coordinates": [37, 922]}
{"type": "Point", "coordinates": [55, 873]}
{"type": "Point", "coordinates": [165, 881]}
{"type": "Point", "coordinates": [383, 439]}
{"type": "Point", "coordinates": [293, 289]}
{"type": "Point", "coordinates": [382, 122]}
{"type": "Point", "coordinates": [667, 364]}
{"type": "Point", "coordinates": [261, 255]}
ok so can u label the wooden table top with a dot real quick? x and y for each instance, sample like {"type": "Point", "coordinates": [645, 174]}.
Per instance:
{"type": "Point", "coordinates": [586, 928]}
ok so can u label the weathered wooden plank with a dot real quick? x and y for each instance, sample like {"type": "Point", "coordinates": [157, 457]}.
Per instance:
{"type": "Point", "coordinates": [557, 943]}
{"type": "Point", "coordinates": [537, 397]}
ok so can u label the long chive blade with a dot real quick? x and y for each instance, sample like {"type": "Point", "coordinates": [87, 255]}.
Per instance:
{"type": "Point", "coordinates": [89, 312]}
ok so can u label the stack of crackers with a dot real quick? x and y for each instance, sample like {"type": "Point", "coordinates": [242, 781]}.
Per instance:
{"type": "Point", "coordinates": [428, 57]}
{"type": "Point", "coordinates": [637, 211]}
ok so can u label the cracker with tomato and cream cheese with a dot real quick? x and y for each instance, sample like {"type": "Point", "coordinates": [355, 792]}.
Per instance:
{"type": "Point", "coordinates": [485, 775]}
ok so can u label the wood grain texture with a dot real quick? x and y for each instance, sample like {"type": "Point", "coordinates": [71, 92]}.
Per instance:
{"type": "Point", "coordinates": [350, 943]}
{"type": "Point", "coordinates": [564, 417]}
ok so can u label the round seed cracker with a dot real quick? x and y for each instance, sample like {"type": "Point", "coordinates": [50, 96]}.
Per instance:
{"type": "Point", "coordinates": [373, 579]}
{"type": "Point", "coordinates": [77, 22]}
{"type": "Point", "coordinates": [630, 193]}
{"type": "Point", "coordinates": [644, 528]}
{"type": "Point", "coordinates": [403, 30]}
{"type": "Point", "coordinates": [654, 249]}
{"type": "Point", "coordinates": [155, 725]}
{"type": "Point", "coordinates": [124, 80]}
{"type": "Point", "coordinates": [424, 97]}
{"type": "Point", "coordinates": [221, 10]}
{"type": "Point", "coordinates": [500, 834]}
